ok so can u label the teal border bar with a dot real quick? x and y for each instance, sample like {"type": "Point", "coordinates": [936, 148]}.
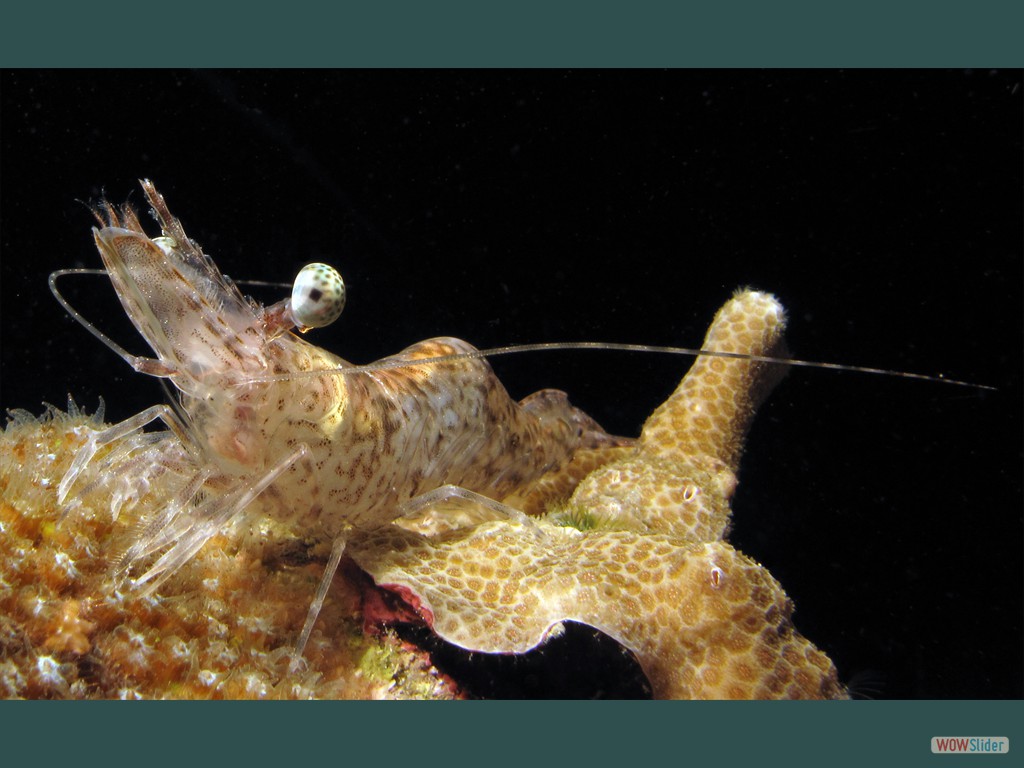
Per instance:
{"type": "Point", "coordinates": [721, 734]}
{"type": "Point", "coordinates": [643, 33]}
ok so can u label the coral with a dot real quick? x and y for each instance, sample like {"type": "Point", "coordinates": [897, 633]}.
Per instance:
{"type": "Point", "coordinates": [627, 539]}
{"type": "Point", "coordinates": [223, 629]}
{"type": "Point", "coordinates": [637, 550]}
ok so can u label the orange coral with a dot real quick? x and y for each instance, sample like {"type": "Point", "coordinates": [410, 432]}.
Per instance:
{"type": "Point", "coordinates": [223, 630]}
{"type": "Point", "coordinates": [69, 630]}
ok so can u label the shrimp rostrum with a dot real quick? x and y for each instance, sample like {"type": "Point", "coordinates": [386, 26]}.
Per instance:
{"type": "Point", "coordinates": [270, 427]}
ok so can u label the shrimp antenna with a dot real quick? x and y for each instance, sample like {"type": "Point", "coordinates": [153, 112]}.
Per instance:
{"type": "Point", "coordinates": [617, 347]}
{"type": "Point", "coordinates": [510, 349]}
{"type": "Point", "coordinates": [731, 356]}
{"type": "Point", "coordinates": [132, 360]}
{"type": "Point", "coordinates": [109, 342]}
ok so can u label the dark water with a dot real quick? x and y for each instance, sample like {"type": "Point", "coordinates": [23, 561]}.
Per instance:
{"type": "Point", "coordinates": [884, 209]}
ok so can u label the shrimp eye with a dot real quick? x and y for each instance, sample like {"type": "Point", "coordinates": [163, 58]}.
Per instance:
{"type": "Point", "coordinates": [318, 296]}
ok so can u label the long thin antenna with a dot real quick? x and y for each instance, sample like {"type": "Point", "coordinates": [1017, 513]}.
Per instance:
{"type": "Point", "coordinates": [513, 349]}
{"type": "Point", "coordinates": [616, 347]}
{"type": "Point", "coordinates": [107, 341]}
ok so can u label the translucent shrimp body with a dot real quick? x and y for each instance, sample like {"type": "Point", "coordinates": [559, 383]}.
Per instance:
{"type": "Point", "coordinates": [260, 435]}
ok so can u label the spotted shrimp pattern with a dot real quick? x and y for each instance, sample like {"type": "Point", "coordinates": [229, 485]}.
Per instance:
{"type": "Point", "coordinates": [269, 430]}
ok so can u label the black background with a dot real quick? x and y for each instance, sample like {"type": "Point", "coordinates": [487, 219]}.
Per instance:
{"type": "Point", "coordinates": [883, 208]}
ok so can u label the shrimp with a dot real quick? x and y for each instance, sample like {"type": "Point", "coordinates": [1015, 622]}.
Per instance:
{"type": "Point", "coordinates": [266, 428]}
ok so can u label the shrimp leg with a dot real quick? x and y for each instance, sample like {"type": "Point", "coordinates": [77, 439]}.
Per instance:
{"type": "Point", "coordinates": [209, 519]}
{"type": "Point", "coordinates": [337, 549]}
{"type": "Point", "coordinates": [98, 439]}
